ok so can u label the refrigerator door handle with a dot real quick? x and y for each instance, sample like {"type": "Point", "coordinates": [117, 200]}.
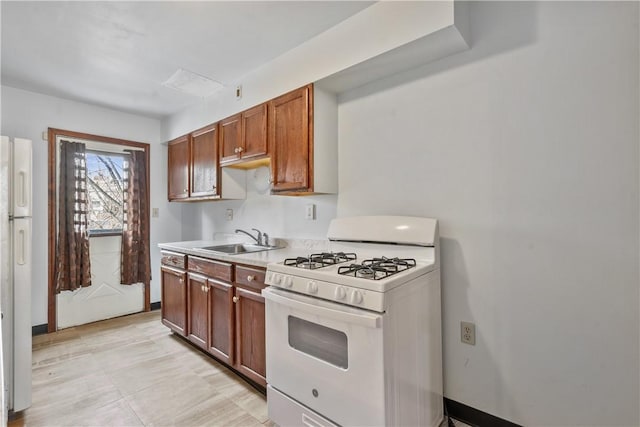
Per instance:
{"type": "Point", "coordinates": [23, 189]}
{"type": "Point", "coordinates": [21, 251]}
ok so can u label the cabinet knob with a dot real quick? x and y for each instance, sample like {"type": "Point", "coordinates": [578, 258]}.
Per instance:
{"type": "Point", "coordinates": [251, 278]}
{"type": "Point", "coordinates": [235, 150]}
{"type": "Point", "coordinates": [235, 299]}
{"type": "Point", "coordinates": [181, 281]}
{"type": "Point", "coordinates": [185, 190]}
{"type": "Point", "coordinates": [240, 150]}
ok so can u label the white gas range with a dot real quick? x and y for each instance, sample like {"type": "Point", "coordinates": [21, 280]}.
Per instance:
{"type": "Point", "coordinates": [353, 335]}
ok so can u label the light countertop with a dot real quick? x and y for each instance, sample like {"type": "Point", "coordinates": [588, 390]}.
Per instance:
{"type": "Point", "coordinates": [294, 248]}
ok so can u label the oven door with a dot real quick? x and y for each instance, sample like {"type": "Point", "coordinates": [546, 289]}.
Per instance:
{"type": "Point", "coordinates": [327, 356]}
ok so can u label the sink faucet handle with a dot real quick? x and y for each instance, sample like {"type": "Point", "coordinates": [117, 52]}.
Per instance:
{"type": "Point", "coordinates": [266, 239]}
{"type": "Point", "coordinates": [259, 236]}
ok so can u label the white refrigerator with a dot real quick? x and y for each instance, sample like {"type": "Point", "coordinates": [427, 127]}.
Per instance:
{"type": "Point", "coordinates": [15, 272]}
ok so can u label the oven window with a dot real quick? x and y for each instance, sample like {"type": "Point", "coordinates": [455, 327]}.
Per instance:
{"type": "Point", "coordinates": [319, 341]}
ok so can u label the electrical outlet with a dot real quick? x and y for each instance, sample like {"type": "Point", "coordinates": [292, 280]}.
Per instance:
{"type": "Point", "coordinates": [229, 214]}
{"type": "Point", "coordinates": [468, 333]}
{"type": "Point", "coordinates": [155, 212]}
{"type": "Point", "coordinates": [238, 91]}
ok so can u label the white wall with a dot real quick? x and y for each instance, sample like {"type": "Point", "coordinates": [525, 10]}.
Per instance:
{"type": "Point", "coordinates": [526, 149]}
{"type": "Point", "coordinates": [28, 114]}
{"type": "Point", "coordinates": [279, 216]}
{"type": "Point", "coordinates": [377, 29]}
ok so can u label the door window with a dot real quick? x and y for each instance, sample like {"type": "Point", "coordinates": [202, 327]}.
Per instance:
{"type": "Point", "coordinates": [319, 341]}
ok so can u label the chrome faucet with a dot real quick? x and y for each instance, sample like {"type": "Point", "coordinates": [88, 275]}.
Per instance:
{"type": "Point", "coordinates": [257, 239]}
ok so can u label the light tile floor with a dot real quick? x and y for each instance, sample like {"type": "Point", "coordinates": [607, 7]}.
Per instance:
{"type": "Point", "coordinates": [131, 371]}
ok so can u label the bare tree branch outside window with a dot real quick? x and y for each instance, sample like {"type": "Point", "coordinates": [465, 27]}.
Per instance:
{"type": "Point", "coordinates": [105, 191]}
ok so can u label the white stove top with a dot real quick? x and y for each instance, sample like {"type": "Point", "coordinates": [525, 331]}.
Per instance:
{"type": "Point", "coordinates": [366, 237]}
{"type": "Point", "coordinates": [330, 274]}
{"type": "Point", "coordinates": [327, 283]}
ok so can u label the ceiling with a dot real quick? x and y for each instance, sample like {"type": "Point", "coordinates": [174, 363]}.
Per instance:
{"type": "Point", "coordinates": [118, 54]}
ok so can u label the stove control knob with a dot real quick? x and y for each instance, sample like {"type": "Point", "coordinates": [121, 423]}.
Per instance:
{"type": "Point", "coordinates": [277, 278]}
{"type": "Point", "coordinates": [288, 281]}
{"type": "Point", "coordinates": [340, 293]}
{"type": "Point", "coordinates": [312, 287]}
{"type": "Point", "coordinates": [356, 297]}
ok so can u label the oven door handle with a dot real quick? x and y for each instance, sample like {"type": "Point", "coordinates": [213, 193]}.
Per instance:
{"type": "Point", "coordinates": [323, 308]}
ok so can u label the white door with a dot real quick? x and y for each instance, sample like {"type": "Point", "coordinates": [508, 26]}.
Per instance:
{"type": "Point", "coordinates": [106, 297]}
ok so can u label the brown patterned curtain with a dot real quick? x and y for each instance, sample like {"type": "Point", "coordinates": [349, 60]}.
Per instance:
{"type": "Point", "coordinates": [135, 264]}
{"type": "Point", "coordinates": [73, 267]}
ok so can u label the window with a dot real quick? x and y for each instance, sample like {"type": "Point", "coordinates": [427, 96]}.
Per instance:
{"type": "Point", "coordinates": [105, 192]}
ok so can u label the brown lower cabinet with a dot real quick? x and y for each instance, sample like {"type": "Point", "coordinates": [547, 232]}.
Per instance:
{"type": "Point", "coordinates": [174, 291]}
{"type": "Point", "coordinates": [250, 335]}
{"type": "Point", "coordinates": [219, 308]}
{"type": "Point", "coordinates": [198, 308]}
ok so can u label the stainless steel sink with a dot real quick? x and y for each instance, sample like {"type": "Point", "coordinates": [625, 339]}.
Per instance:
{"type": "Point", "coordinates": [238, 248]}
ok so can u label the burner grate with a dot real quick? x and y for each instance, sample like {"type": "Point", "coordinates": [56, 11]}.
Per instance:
{"type": "Point", "coordinates": [324, 259]}
{"type": "Point", "coordinates": [377, 268]}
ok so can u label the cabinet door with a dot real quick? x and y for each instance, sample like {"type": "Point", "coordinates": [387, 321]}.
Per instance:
{"type": "Point", "coordinates": [250, 335]}
{"type": "Point", "coordinates": [204, 162]}
{"type": "Point", "coordinates": [254, 132]}
{"type": "Point", "coordinates": [230, 139]}
{"type": "Point", "coordinates": [174, 299]}
{"type": "Point", "coordinates": [178, 182]}
{"type": "Point", "coordinates": [221, 320]}
{"type": "Point", "coordinates": [291, 141]}
{"type": "Point", "coordinates": [197, 310]}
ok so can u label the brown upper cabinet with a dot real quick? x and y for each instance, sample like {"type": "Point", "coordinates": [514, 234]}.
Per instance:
{"type": "Point", "coordinates": [303, 141]}
{"type": "Point", "coordinates": [292, 141]}
{"type": "Point", "coordinates": [243, 137]}
{"type": "Point", "coordinates": [204, 162]}
{"type": "Point", "coordinates": [179, 154]}
{"type": "Point", "coordinates": [193, 166]}
{"type": "Point", "coordinates": [296, 134]}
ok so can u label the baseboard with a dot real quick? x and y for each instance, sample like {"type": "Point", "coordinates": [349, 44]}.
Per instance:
{"type": "Point", "coordinates": [156, 305]}
{"type": "Point", "coordinates": [39, 329]}
{"type": "Point", "coordinates": [473, 416]}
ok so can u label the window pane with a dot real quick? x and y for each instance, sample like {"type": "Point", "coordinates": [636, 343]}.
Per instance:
{"type": "Point", "coordinates": [105, 191]}
{"type": "Point", "coordinates": [319, 341]}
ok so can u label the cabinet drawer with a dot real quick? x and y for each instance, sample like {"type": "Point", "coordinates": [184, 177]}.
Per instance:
{"type": "Point", "coordinates": [214, 269]}
{"type": "Point", "coordinates": [173, 259]}
{"type": "Point", "coordinates": [250, 277]}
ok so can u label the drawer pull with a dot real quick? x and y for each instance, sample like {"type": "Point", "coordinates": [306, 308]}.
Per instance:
{"type": "Point", "coordinates": [251, 278]}
{"type": "Point", "coordinates": [235, 299]}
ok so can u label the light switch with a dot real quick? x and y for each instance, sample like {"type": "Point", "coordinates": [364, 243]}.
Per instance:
{"type": "Point", "coordinates": [229, 214]}
{"type": "Point", "coordinates": [310, 211]}
{"type": "Point", "coordinates": [155, 212]}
